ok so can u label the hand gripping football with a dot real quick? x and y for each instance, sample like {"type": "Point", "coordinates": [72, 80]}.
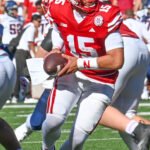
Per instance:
{"type": "Point", "coordinates": [53, 63]}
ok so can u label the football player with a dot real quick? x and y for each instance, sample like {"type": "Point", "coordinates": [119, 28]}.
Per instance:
{"type": "Point", "coordinates": [82, 11]}
{"type": "Point", "coordinates": [11, 23]}
{"type": "Point", "coordinates": [91, 68]}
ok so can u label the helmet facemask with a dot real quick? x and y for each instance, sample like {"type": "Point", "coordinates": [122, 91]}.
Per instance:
{"type": "Point", "coordinates": [11, 8]}
{"type": "Point", "coordinates": [13, 12]}
{"type": "Point", "coordinates": [86, 6]}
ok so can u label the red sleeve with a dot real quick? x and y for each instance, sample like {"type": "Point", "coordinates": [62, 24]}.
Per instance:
{"type": "Point", "coordinates": [114, 20]}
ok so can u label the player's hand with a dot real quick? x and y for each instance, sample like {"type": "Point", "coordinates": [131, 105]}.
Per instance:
{"type": "Point", "coordinates": [70, 67]}
{"type": "Point", "coordinates": [56, 50]}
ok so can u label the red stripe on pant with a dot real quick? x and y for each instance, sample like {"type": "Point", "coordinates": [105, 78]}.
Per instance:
{"type": "Point", "coordinates": [51, 99]}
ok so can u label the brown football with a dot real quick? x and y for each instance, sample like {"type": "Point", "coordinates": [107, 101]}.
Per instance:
{"type": "Point", "coordinates": [53, 63]}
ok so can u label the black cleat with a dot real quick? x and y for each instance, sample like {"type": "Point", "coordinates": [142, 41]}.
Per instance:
{"type": "Point", "coordinates": [142, 136]}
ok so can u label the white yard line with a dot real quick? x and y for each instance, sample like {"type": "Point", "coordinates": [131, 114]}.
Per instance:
{"type": "Point", "coordinates": [19, 106]}
{"type": "Point", "coordinates": [144, 113]}
{"type": "Point", "coordinates": [88, 140]}
{"type": "Point", "coordinates": [144, 104]}
{"type": "Point", "coordinates": [33, 105]}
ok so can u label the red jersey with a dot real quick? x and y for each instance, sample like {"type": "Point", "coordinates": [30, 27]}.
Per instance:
{"type": "Point", "coordinates": [29, 4]}
{"type": "Point", "coordinates": [87, 38]}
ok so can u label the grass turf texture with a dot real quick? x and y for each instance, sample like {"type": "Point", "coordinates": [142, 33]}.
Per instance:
{"type": "Point", "coordinates": [101, 139]}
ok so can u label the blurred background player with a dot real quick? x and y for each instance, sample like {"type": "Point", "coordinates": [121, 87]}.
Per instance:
{"type": "Point", "coordinates": [25, 49]}
{"type": "Point", "coordinates": [11, 24]}
{"type": "Point", "coordinates": [44, 24]}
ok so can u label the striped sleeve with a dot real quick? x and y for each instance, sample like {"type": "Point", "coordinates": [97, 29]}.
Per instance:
{"type": "Point", "coordinates": [115, 21]}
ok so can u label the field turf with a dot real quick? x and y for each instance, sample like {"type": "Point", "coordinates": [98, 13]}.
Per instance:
{"type": "Point", "coordinates": [101, 139]}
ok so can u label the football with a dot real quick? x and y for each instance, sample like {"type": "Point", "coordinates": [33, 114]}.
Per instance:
{"type": "Point", "coordinates": [53, 63]}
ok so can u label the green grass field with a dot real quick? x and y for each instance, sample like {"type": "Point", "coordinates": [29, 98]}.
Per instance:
{"type": "Point", "coordinates": [101, 139]}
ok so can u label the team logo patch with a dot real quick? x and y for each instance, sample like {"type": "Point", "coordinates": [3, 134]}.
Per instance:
{"type": "Point", "coordinates": [98, 20]}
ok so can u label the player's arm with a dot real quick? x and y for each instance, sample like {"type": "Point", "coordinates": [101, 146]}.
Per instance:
{"type": "Point", "coordinates": [46, 45]}
{"type": "Point", "coordinates": [32, 48]}
{"type": "Point", "coordinates": [41, 53]}
{"type": "Point", "coordinates": [51, 42]}
{"type": "Point", "coordinates": [56, 40]}
{"type": "Point", "coordinates": [113, 59]}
